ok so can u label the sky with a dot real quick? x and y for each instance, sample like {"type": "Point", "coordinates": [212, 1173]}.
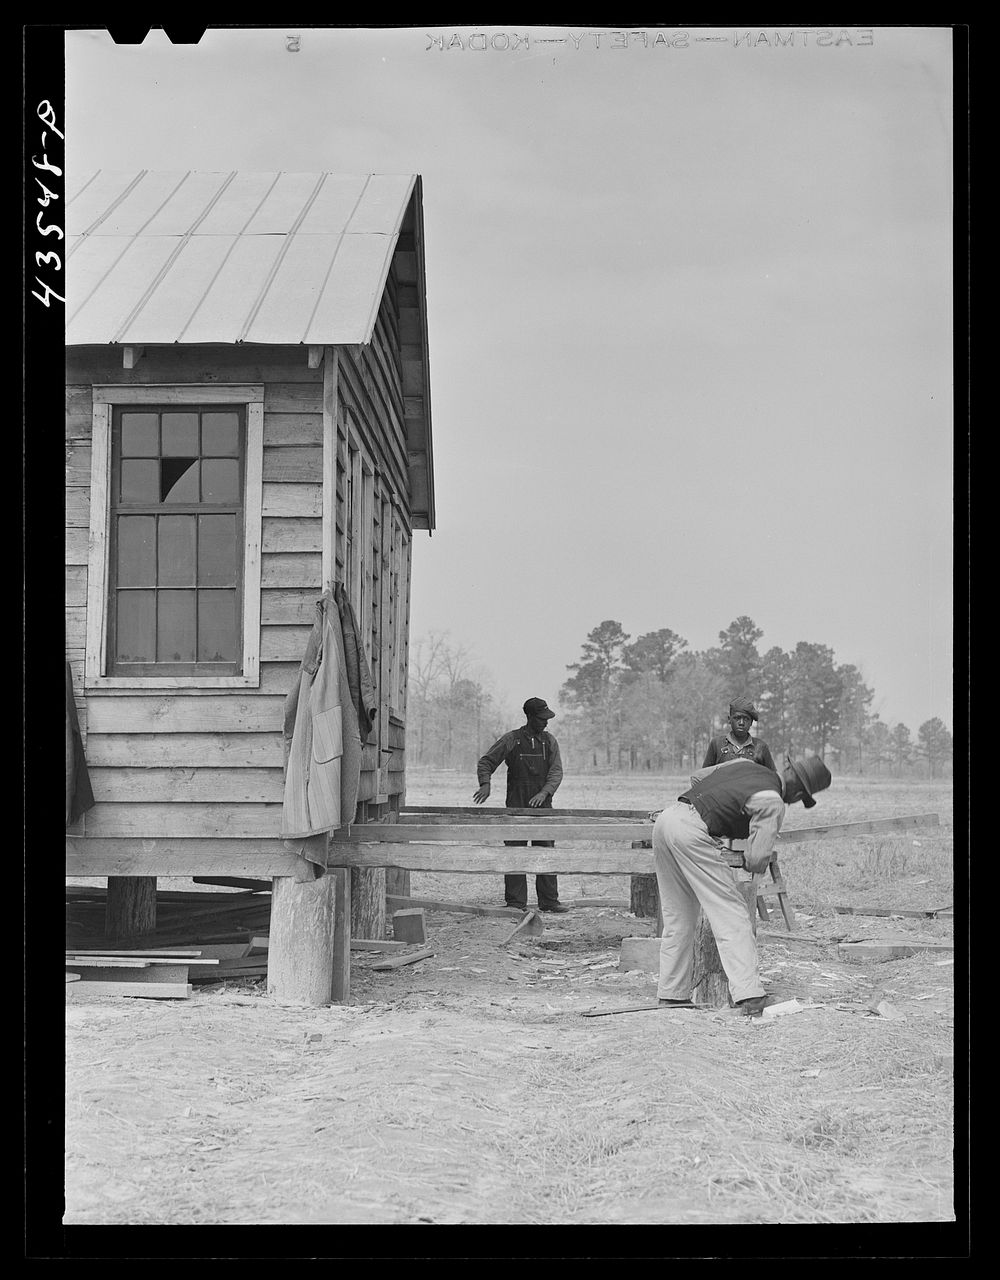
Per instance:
{"type": "Point", "coordinates": [690, 315]}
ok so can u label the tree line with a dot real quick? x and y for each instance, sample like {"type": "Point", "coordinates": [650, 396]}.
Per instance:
{"type": "Point", "coordinates": [650, 703]}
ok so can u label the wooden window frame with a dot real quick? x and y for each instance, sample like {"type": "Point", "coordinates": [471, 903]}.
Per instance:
{"type": "Point", "coordinates": [105, 400]}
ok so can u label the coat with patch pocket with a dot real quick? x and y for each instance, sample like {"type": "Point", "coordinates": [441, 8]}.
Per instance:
{"type": "Point", "coordinates": [322, 739]}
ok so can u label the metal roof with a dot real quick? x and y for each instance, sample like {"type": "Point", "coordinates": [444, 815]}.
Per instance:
{"type": "Point", "coordinates": [194, 257]}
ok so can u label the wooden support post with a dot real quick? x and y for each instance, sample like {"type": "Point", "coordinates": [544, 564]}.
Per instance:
{"type": "Point", "coordinates": [130, 908]}
{"type": "Point", "coordinates": [301, 941]}
{"type": "Point", "coordinates": [644, 895]}
{"type": "Point", "coordinates": [342, 936]}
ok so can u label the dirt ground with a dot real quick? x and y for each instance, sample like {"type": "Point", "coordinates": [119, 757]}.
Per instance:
{"type": "Point", "coordinates": [470, 1089]}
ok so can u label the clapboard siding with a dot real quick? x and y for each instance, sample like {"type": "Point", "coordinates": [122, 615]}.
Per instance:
{"type": "Point", "coordinates": [187, 785]}
{"type": "Point", "coordinates": [293, 533]}
{"type": "Point", "coordinates": [224, 821]}
{"type": "Point", "coordinates": [210, 751]}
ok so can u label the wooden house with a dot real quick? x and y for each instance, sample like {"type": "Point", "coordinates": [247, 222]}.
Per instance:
{"type": "Point", "coordinates": [247, 422]}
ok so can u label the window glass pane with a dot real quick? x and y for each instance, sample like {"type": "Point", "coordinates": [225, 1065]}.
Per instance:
{"type": "Point", "coordinates": [139, 435]}
{"type": "Point", "coordinates": [220, 480]}
{"type": "Point", "coordinates": [217, 551]}
{"type": "Point", "coordinates": [136, 551]}
{"type": "Point", "coordinates": [180, 435]}
{"type": "Point", "coordinates": [139, 481]}
{"type": "Point", "coordinates": [217, 626]}
{"type": "Point", "coordinates": [177, 551]}
{"type": "Point", "coordinates": [220, 434]}
{"type": "Point", "coordinates": [136, 640]}
{"type": "Point", "coordinates": [175, 626]}
{"type": "Point", "coordinates": [179, 480]}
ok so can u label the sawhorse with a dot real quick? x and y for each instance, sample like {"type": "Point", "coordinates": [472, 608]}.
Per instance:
{"type": "Point", "coordinates": [776, 888]}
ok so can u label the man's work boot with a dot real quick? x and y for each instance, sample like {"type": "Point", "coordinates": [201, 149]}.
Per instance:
{"type": "Point", "coordinates": [556, 907]}
{"type": "Point", "coordinates": [752, 1006]}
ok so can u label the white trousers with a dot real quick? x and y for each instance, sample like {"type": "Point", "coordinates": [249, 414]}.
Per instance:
{"type": "Point", "coordinates": [692, 875]}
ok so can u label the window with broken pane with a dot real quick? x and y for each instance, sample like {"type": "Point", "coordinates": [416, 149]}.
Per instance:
{"type": "Point", "coordinates": [177, 511]}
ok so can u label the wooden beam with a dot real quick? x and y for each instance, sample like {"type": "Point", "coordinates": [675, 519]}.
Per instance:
{"type": "Point", "coordinates": [315, 357]}
{"type": "Point", "coordinates": [394, 901]}
{"type": "Point", "coordinates": [495, 832]}
{"type": "Point", "coordinates": [397, 962]}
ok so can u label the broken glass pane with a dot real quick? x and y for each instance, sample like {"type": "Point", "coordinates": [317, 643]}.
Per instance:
{"type": "Point", "coordinates": [179, 480]}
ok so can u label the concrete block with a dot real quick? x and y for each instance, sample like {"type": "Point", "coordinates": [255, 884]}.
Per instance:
{"type": "Point", "coordinates": [408, 925]}
{"type": "Point", "coordinates": [642, 954]}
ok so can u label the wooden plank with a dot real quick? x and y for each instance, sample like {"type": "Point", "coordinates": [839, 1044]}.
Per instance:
{"type": "Point", "coordinates": [292, 570]}
{"type": "Point", "coordinates": [179, 857]}
{"type": "Point", "coordinates": [477, 859]}
{"type": "Point", "coordinates": [292, 428]}
{"type": "Point", "coordinates": [116, 972]}
{"type": "Point", "coordinates": [284, 607]}
{"type": "Point", "coordinates": [395, 901]}
{"type": "Point", "coordinates": [448, 812]}
{"type": "Point", "coordinates": [284, 644]}
{"type": "Point", "coordinates": [293, 464]}
{"type": "Point", "coordinates": [897, 950]}
{"type": "Point", "coordinates": [146, 990]}
{"type": "Point", "coordinates": [186, 750]}
{"type": "Point", "coordinates": [512, 830]}
{"type": "Point", "coordinates": [179, 713]}
{"type": "Point", "coordinates": [889, 911]}
{"type": "Point", "coordinates": [187, 785]}
{"type": "Point", "coordinates": [139, 953]}
{"type": "Point", "coordinates": [107, 962]}
{"type": "Point", "coordinates": [877, 826]}
{"type": "Point", "coordinates": [227, 821]}
{"type": "Point", "coordinates": [235, 882]}
{"type": "Point", "coordinates": [397, 962]}
{"type": "Point", "coordinates": [290, 534]}
{"type": "Point", "coordinates": [295, 500]}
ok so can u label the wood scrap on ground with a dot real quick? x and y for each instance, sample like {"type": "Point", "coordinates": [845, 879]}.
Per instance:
{"type": "Point", "coordinates": [892, 911]}
{"type": "Point", "coordinates": [396, 901]}
{"type": "Point", "coordinates": [529, 927]}
{"type": "Point", "coordinates": [396, 962]}
{"type": "Point", "coordinates": [146, 990]}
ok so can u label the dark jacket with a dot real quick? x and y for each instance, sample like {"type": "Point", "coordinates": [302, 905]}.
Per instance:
{"type": "Point", "coordinates": [79, 796]}
{"type": "Point", "coordinates": [723, 748]}
{"type": "Point", "coordinates": [720, 797]}
{"type": "Point", "coordinates": [533, 765]}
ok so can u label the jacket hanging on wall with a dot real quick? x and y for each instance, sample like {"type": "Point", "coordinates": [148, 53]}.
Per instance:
{"type": "Point", "coordinates": [359, 675]}
{"type": "Point", "coordinates": [322, 738]}
{"type": "Point", "coordinates": [79, 795]}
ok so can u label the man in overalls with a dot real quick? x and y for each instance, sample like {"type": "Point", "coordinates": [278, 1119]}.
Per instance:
{"type": "Point", "coordinates": [534, 771]}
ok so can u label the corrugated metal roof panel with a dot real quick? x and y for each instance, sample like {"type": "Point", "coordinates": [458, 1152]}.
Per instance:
{"type": "Point", "coordinates": [175, 300]}
{"type": "Point", "coordinates": [295, 289]}
{"type": "Point", "coordinates": [223, 310]}
{"type": "Point", "coordinates": [121, 289]}
{"type": "Point", "coordinates": [292, 257]}
{"type": "Point", "coordinates": [352, 292]}
{"type": "Point", "coordinates": [382, 205]}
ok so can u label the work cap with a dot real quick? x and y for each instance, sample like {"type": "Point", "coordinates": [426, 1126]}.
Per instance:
{"type": "Point", "coordinates": [814, 776]}
{"type": "Point", "coordinates": [744, 705]}
{"type": "Point", "coordinates": [538, 707]}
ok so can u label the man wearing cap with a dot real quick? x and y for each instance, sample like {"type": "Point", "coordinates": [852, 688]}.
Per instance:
{"type": "Point", "coordinates": [737, 743]}
{"type": "Point", "coordinates": [534, 771]}
{"type": "Point", "coordinates": [739, 800]}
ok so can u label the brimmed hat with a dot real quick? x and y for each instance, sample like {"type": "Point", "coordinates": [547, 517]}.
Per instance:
{"type": "Point", "coordinates": [538, 707]}
{"type": "Point", "coordinates": [744, 705]}
{"type": "Point", "coordinates": [814, 776]}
